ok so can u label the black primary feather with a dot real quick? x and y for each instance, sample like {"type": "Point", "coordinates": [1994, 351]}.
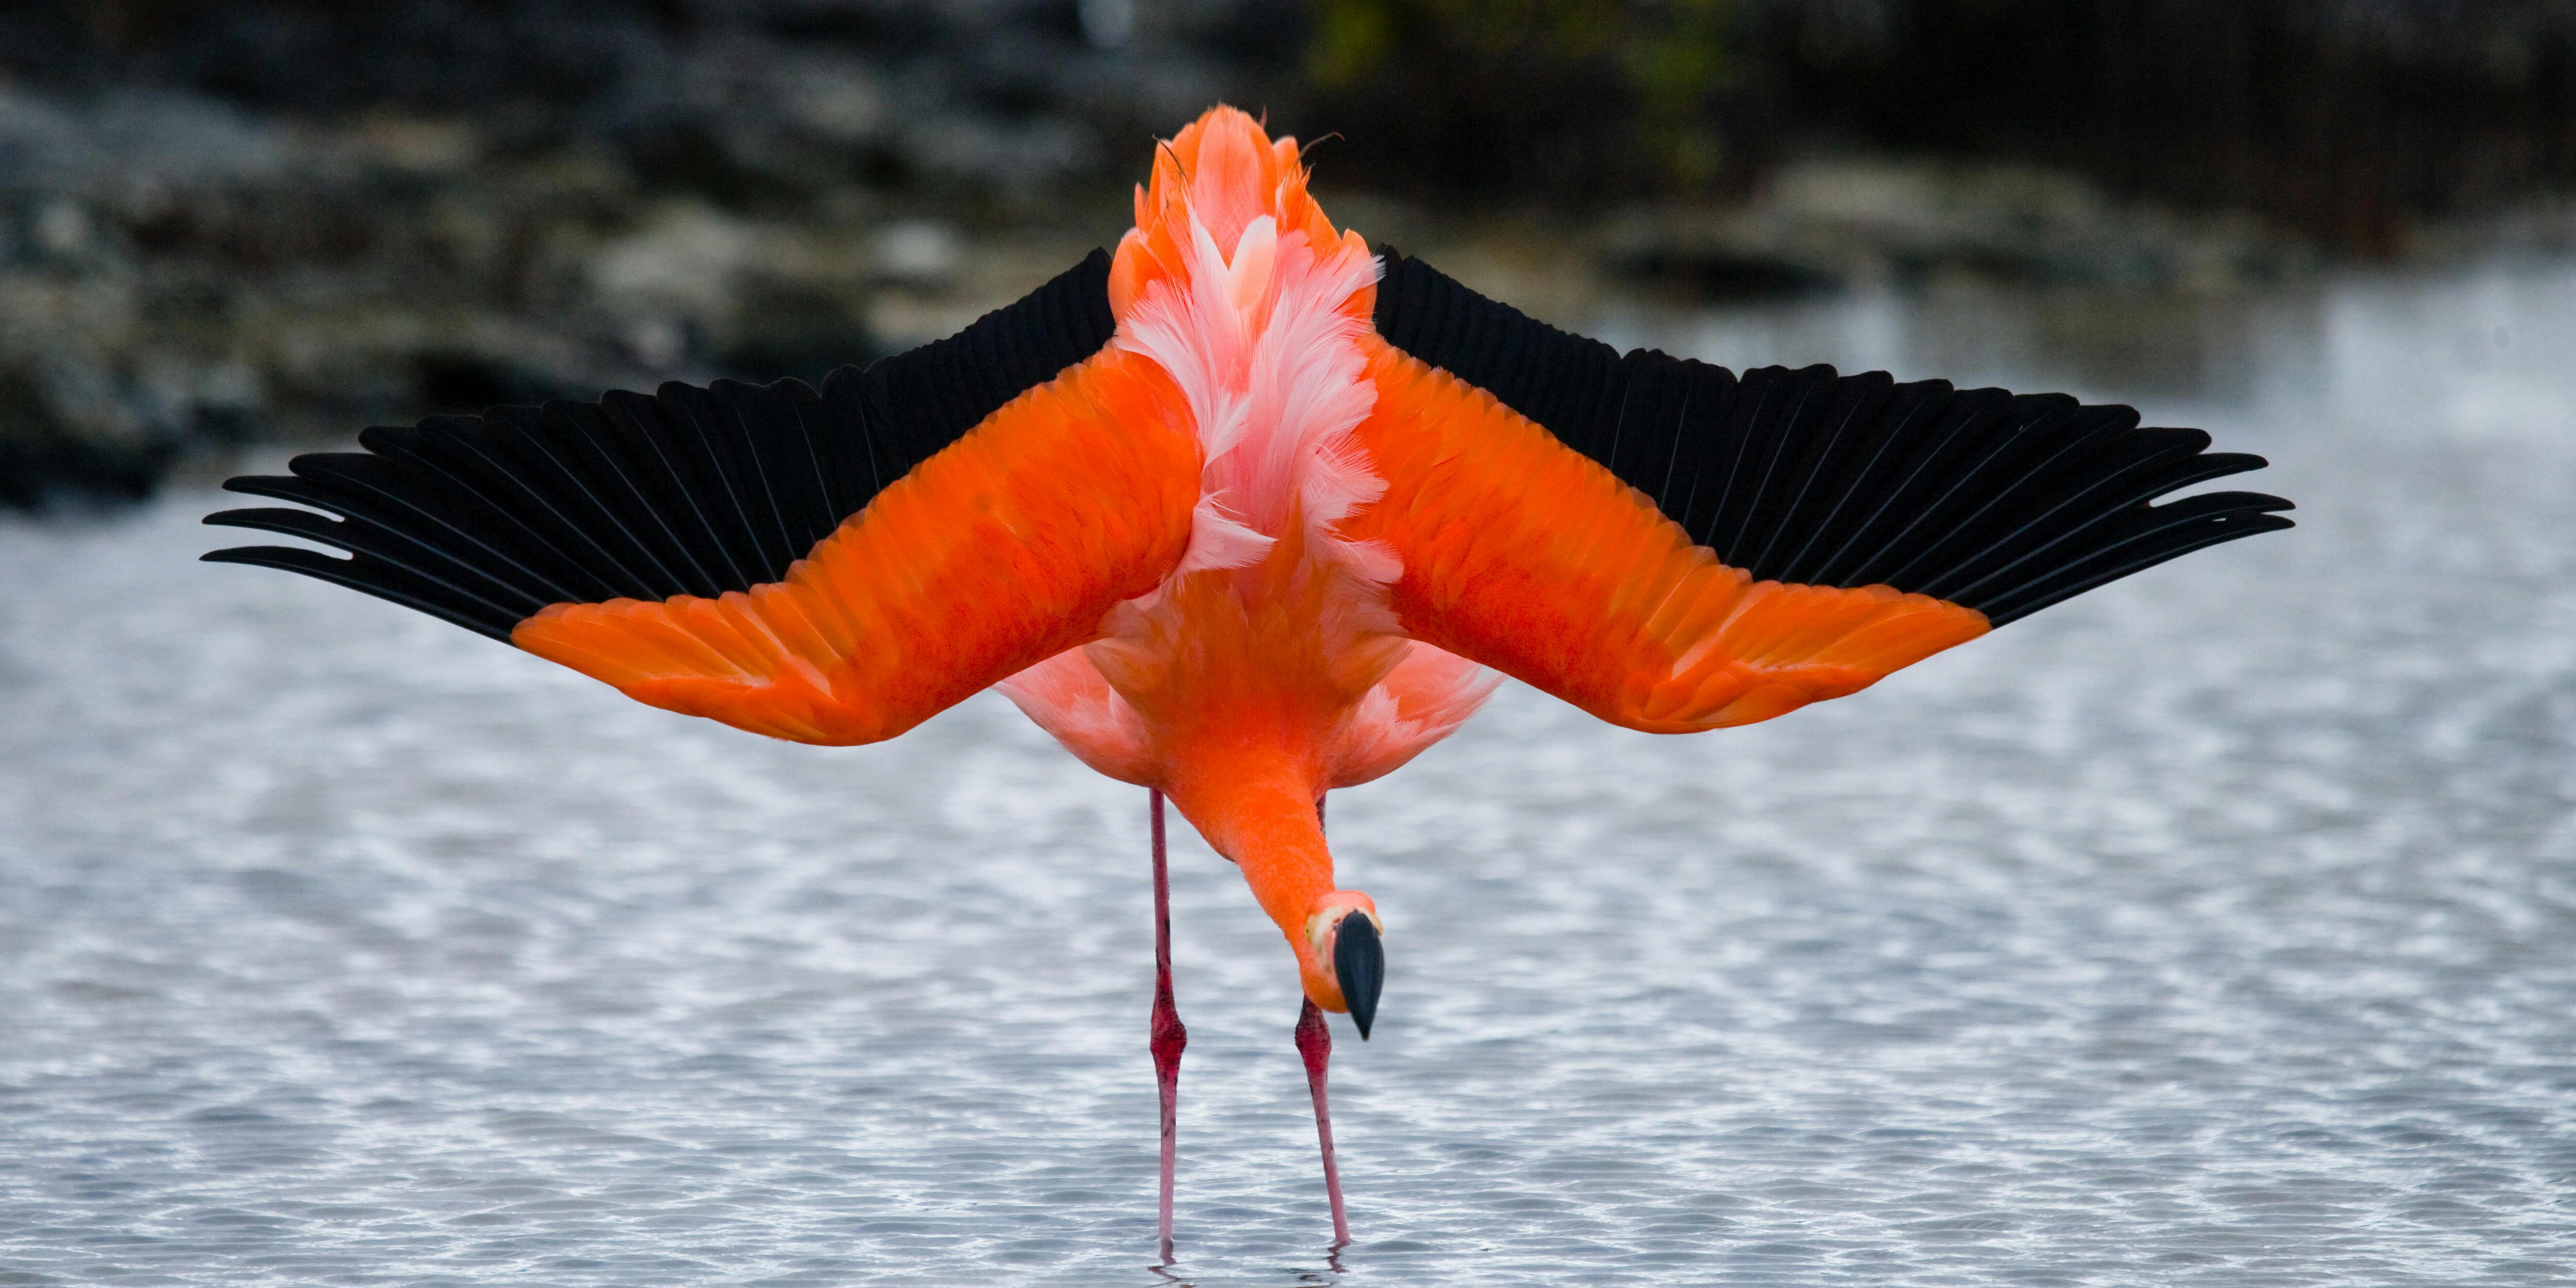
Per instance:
{"type": "Point", "coordinates": [2001, 503]}
{"type": "Point", "coordinates": [482, 521]}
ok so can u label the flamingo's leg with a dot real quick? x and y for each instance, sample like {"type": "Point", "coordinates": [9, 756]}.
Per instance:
{"type": "Point", "coordinates": [1169, 1035]}
{"type": "Point", "coordinates": [1315, 1043]}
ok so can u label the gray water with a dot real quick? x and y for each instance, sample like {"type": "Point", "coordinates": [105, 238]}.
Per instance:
{"type": "Point", "coordinates": [2218, 927]}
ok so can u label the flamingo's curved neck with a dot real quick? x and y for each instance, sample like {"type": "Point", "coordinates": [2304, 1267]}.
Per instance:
{"type": "Point", "coordinates": [1259, 810]}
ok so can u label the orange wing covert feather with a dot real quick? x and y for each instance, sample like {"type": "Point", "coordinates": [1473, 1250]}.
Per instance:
{"type": "Point", "coordinates": [1525, 555]}
{"type": "Point", "coordinates": [992, 555]}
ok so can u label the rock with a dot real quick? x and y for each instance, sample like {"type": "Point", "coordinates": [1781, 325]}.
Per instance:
{"type": "Point", "coordinates": [132, 143]}
{"type": "Point", "coordinates": [918, 252]}
{"type": "Point", "coordinates": [1824, 224]}
{"type": "Point", "coordinates": [687, 260]}
{"type": "Point", "coordinates": [69, 427]}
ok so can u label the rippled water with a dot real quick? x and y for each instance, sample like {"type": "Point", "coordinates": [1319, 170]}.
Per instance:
{"type": "Point", "coordinates": [2215, 928]}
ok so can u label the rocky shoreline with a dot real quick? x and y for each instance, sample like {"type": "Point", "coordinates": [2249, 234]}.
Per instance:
{"type": "Point", "coordinates": [207, 279]}
{"type": "Point", "coordinates": [213, 235]}
{"type": "Point", "coordinates": [212, 280]}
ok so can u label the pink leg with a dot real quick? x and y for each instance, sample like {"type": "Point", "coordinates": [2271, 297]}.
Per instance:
{"type": "Point", "coordinates": [1315, 1042]}
{"type": "Point", "coordinates": [1169, 1036]}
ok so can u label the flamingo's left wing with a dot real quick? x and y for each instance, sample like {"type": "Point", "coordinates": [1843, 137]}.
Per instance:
{"type": "Point", "coordinates": [1673, 547]}
{"type": "Point", "coordinates": [828, 566]}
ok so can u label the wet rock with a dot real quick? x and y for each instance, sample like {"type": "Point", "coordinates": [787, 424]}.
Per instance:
{"type": "Point", "coordinates": [686, 260]}
{"type": "Point", "coordinates": [70, 427]}
{"type": "Point", "coordinates": [1830, 223]}
{"type": "Point", "coordinates": [700, 290]}
{"type": "Point", "coordinates": [132, 143]}
{"type": "Point", "coordinates": [918, 252]}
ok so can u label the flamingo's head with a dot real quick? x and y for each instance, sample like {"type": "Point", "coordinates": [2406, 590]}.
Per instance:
{"type": "Point", "coordinates": [1344, 956]}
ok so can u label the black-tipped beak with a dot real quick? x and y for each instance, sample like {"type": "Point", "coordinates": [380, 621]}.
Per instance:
{"type": "Point", "coordinates": [1359, 962]}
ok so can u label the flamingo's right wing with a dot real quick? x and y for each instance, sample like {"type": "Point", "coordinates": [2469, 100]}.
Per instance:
{"type": "Point", "coordinates": [830, 567]}
{"type": "Point", "coordinates": [1674, 548]}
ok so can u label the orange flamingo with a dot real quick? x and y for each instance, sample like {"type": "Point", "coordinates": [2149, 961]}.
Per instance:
{"type": "Point", "coordinates": [1246, 513]}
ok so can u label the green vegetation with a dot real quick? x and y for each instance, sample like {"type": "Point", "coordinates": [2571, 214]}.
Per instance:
{"type": "Point", "coordinates": [1625, 91]}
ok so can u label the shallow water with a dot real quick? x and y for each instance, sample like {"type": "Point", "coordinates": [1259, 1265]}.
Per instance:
{"type": "Point", "coordinates": [2218, 927]}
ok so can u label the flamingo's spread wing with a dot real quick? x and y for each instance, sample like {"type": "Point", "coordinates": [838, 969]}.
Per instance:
{"type": "Point", "coordinates": [1673, 547]}
{"type": "Point", "coordinates": [829, 567]}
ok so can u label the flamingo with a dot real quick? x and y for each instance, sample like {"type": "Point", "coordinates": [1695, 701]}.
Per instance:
{"type": "Point", "coordinates": [1245, 512]}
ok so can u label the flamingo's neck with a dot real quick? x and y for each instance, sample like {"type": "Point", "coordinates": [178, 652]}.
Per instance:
{"type": "Point", "coordinates": [1259, 810]}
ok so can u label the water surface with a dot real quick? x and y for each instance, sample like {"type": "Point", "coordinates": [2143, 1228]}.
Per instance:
{"type": "Point", "coordinates": [2218, 927]}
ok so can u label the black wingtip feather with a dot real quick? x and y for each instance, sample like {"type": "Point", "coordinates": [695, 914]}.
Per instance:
{"type": "Point", "coordinates": [480, 618]}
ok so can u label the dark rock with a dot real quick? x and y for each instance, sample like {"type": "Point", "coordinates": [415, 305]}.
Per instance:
{"type": "Point", "coordinates": [1831, 222]}
{"type": "Point", "coordinates": [69, 431]}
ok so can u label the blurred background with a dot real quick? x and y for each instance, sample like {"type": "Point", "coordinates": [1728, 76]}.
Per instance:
{"type": "Point", "coordinates": [255, 220]}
